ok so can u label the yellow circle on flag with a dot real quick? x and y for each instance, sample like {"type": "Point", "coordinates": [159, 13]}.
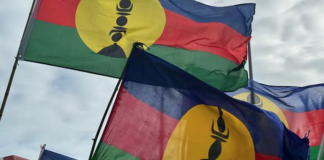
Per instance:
{"type": "Point", "coordinates": [209, 133]}
{"type": "Point", "coordinates": [265, 104]}
{"type": "Point", "coordinates": [110, 27]}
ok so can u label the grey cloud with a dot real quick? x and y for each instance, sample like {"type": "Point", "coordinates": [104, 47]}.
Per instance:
{"type": "Point", "coordinates": [292, 36]}
{"type": "Point", "coordinates": [61, 118]}
{"type": "Point", "coordinates": [317, 62]}
{"type": "Point", "coordinates": [63, 108]}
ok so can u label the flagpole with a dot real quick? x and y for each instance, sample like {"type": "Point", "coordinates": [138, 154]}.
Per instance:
{"type": "Point", "coordinates": [320, 151]}
{"type": "Point", "coordinates": [8, 87]}
{"type": "Point", "coordinates": [251, 73]}
{"type": "Point", "coordinates": [106, 111]}
{"type": "Point", "coordinates": [42, 151]}
{"type": "Point", "coordinates": [4, 101]}
{"type": "Point", "coordinates": [136, 44]}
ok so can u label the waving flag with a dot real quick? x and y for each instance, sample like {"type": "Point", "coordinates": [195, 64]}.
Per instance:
{"type": "Point", "coordinates": [301, 109]}
{"type": "Point", "coordinates": [49, 155]}
{"type": "Point", "coordinates": [96, 36]}
{"type": "Point", "coordinates": [13, 157]}
{"type": "Point", "coordinates": [162, 112]}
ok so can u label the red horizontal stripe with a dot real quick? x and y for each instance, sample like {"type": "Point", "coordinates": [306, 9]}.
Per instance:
{"type": "Point", "coordinates": [259, 156]}
{"type": "Point", "coordinates": [141, 130]}
{"type": "Point", "coordinates": [301, 123]}
{"type": "Point", "coordinates": [137, 128]}
{"type": "Point", "coordinates": [13, 158]}
{"type": "Point", "coordinates": [180, 32]}
{"type": "Point", "coordinates": [216, 38]}
{"type": "Point", "coordinates": [60, 12]}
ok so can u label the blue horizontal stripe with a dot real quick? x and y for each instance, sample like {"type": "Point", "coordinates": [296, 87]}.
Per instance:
{"type": "Point", "coordinates": [238, 17]}
{"type": "Point", "coordinates": [294, 99]}
{"type": "Point", "coordinates": [173, 91]}
{"type": "Point", "coordinates": [49, 155]}
{"type": "Point", "coordinates": [258, 122]}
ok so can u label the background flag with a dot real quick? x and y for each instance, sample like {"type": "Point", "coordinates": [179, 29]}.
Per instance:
{"type": "Point", "coordinates": [162, 112]}
{"type": "Point", "coordinates": [49, 155]}
{"type": "Point", "coordinates": [97, 36]}
{"type": "Point", "coordinates": [13, 157]}
{"type": "Point", "coordinates": [301, 109]}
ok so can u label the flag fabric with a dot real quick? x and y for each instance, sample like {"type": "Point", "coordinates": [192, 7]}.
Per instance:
{"type": "Point", "coordinates": [50, 155]}
{"type": "Point", "coordinates": [13, 157]}
{"type": "Point", "coordinates": [301, 109]}
{"type": "Point", "coordinates": [163, 113]}
{"type": "Point", "coordinates": [96, 36]}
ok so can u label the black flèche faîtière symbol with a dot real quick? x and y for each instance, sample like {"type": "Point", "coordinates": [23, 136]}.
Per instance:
{"type": "Point", "coordinates": [124, 8]}
{"type": "Point", "coordinates": [216, 148]}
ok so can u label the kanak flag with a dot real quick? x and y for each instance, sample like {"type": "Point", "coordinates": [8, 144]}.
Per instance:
{"type": "Point", "coordinates": [96, 36]}
{"type": "Point", "coordinates": [301, 109]}
{"type": "Point", "coordinates": [163, 113]}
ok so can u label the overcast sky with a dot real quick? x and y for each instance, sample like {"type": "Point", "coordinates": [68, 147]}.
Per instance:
{"type": "Point", "coordinates": [62, 108]}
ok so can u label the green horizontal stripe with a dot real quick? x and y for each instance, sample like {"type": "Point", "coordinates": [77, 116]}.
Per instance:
{"type": "Point", "coordinates": [210, 68]}
{"type": "Point", "coordinates": [314, 153]}
{"type": "Point", "coordinates": [106, 152]}
{"type": "Point", "coordinates": [61, 46]}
